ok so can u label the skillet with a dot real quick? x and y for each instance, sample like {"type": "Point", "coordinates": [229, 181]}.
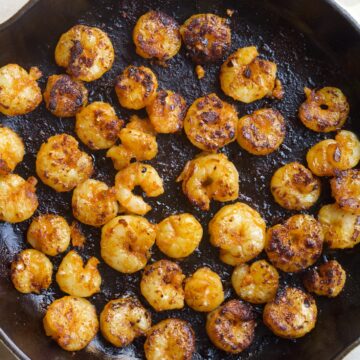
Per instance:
{"type": "Point", "coordinates": [314, 44]}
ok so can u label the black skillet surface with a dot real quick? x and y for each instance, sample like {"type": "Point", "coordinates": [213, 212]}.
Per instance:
{"type": "Point", "coordinates": [31, 41]}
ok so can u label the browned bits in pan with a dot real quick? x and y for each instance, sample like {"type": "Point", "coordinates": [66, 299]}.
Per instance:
{"type": "Point", "coordinates": [12, 150]}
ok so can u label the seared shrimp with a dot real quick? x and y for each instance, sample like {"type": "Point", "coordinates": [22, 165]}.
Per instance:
{"type": "Point", "coordinates": [31, 271]}
{"type": "Point", "coordinates": [19, 91]}
{"type": "Point", "coordinates": [207, 37]}
{"type": "Point", "coordinates": [294, 187]}
{"type": "Point", "coordinates": [18, 200]}
{"type": "Point", "coordinates": [209, 177]}
{"type": "Point", "coordinates": [341, 228]}
{"type": "Point", "coordinates": [156, 35]}
{"type": "Point", "coordinates": [326, 280]}
{"type": "Point", "coordinates": [210, 123]}
{"type": "Point", "coordinates": [64, 96]}
{"type": "Point", "coordinates": [137, 174]}
{"type": "Point", "coordinates": [97, 125]}
{"type": "Point", "coordinates": [257, 283]}
{"type": "Point", "coordinates": [162, 285]}
{"type": "Point", "coordinates": [49, 234]}
{"type": "Point", "coordinates": [292, 314]}
{"type": "Point", "coordinates": [77, 279]}
{"type": "Point", "coordinates": [126, 242]}
{"type": "Point", "coordinates": [167, 112]}
{"type": "Point", "coordinates": [94, 203]}
{"type": "Point", "coordinates": [12, 150]}
{"type": "Point", "coordinates": [261, 132]}
{"type": "Point", "coordinates": [324, 110]}
{"type": "Point", "coordinates": [85, 52]}
{"type": "Point", "coordinates": [246, 78]}
{"type": "Point", "coordinates": [231, 327]}
{"type": "Point", "coordinates": [239, 232]}
{"type": "Point", "coordinates": [122, 320]}
{"type": "Point", "coordinates": [72, 322]}
{"type": "Point", "coordinates": [203, 290]}
{"type": "Point", "coordinates": [60, 163]}
{"type": "Point", "coordinates": [136, 87]}
{"type": "Point", "coordinates": [170, 339]}
{"type": "Point", "coordinates": [179, 235]}
{"type": "Point", "coordinates": [144, 125]}
{"type": "Point", "coordinates": [327, 156]}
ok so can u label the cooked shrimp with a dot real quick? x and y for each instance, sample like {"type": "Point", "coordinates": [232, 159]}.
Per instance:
{"type": "Point", "coordinates": [327, 156]}
{"type": "Point", "coordinates": [345, 188]}
{"type": "Point", "coordinates": [72, 322]}
{"type": "Point", "coordinates": [210, 123]}
{"type": "Point", "coordinates": [324, 110]}
{"type": "Point", "coordinates": [261, 132]}
{"type": "Point", "coordinates": [77, 236]}
{"type": "Point", "coordinates": [207, 37]}
{"type": "Point", "coordinates": [341, 228]}
{"type": "Point", "coordinates": [167, 112]}
{"type": "Point", "coordinates": [12, 150]}
{"type": "Point", "coordinates": [231, 327]}
{"type": "Point", "coordinates": [19, 91]}
{"type": "Point", "coordinates": [156, 35]}
{"type": "Point", "coordinates": [137, 174]}
{"type": "Point", "coordinates": [209, 177]}
{"type": "Point", "coordinates": [136, 87]}
{"type": "Point", "coordinates": [203, 290]}
{"type": "Point", "coordinates": [292, 314]}
{"type": "Point", "coordinates": [247, 78]}
{"type": "Point", "coordinates": [162, 285]}
{"type": "Point", "coordinates": [49, 234]}
{"type": "Point", "coordinates": [85, 52]}
{"type": "Point", "coordinates": [326, 280]}
{"type": "Point", "coordinates": [179, 235]}
{"type": "Point", "coordinates": [31, 271]}
{"type": "Point", "coordinates": [144, 125]}
{"type": "Point", "coordinates": [126, 242]}
{"type": "Point", "coordinates": [97, 125]}
{"type": "Point", "coordinates": [18, 200]}
{"type": "Point", "coordinates": [257, 283]}
{"type": "Point", "coordinates": [239, 232]}
{"type": "Point", "coordinates": [296, 244]}
{"type": "Point", "coordinates": [294, 187]}
{"type": "Point", "coordinates": [60, 163]}
{"type": "Point", "coordinates": [94, 203]}
{"type": "Point", "coordinates": [170, 339]}
{"type": "Point", "coordinates": [64, 96]}
{"type": "Point", "coordinates": [122, 320]}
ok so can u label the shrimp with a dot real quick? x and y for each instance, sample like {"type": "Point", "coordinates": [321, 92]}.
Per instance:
{"type": "Point", "coordinates": [156, 35]}
{"type": "Point", "coordinates": [137, 174]}
{"type": "Point", "coordinates": [12, 150]}
{"type": "Point", "coordinates": [207, 177]}
{"type": "Point", "coordinates": [294, 187]}
{"type": "Point", "coordinates": [231, 327]}
{"type": "Point", "coordinates": [179, 235]}
{"type": "Point", "coordinates": [296, 244]}
{"type": "Point", "coordinates": [292, 314]}
{"type": "Point", "coordinates": [77, 279]}
{"type": "Point", "coordinates": [19, 91]}
{"type": "Point", "coordinates": [162, 285]}
{"type": "Point", "coordinates": [203, 290]}
{"type": "Point", "coordinates": [239, 232]}
{"type": "Point", "coordinates": [72, 322]}
{"type": "Point", "coordinates": [207, 37]}
{"type": "Point", "coordinates": [31, 272]}
{"type": "Point", "coordinates": [85, 52]}
{"type": "Point", "coordinates": [261, 132]}
{"type": "Point", "coordinates": [247, 78]}
{"type": "Point", "coordinates": [257, 283]}
{"type": "Point", "coordinates": [126, 242]}
{"type": "Point", "coordinates": [210, 123]}
{"type": "Point", "coordinates": [324, 110]}
{"type": "Point", "coordinates": [124, 319]}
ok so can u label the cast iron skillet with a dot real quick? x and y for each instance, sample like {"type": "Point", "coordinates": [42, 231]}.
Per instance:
{"type": "Point", "coordinates": [313, 43]}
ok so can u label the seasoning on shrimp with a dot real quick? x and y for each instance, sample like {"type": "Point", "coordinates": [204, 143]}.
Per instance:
{"type": "Point", "coordinates": [12, 150]}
